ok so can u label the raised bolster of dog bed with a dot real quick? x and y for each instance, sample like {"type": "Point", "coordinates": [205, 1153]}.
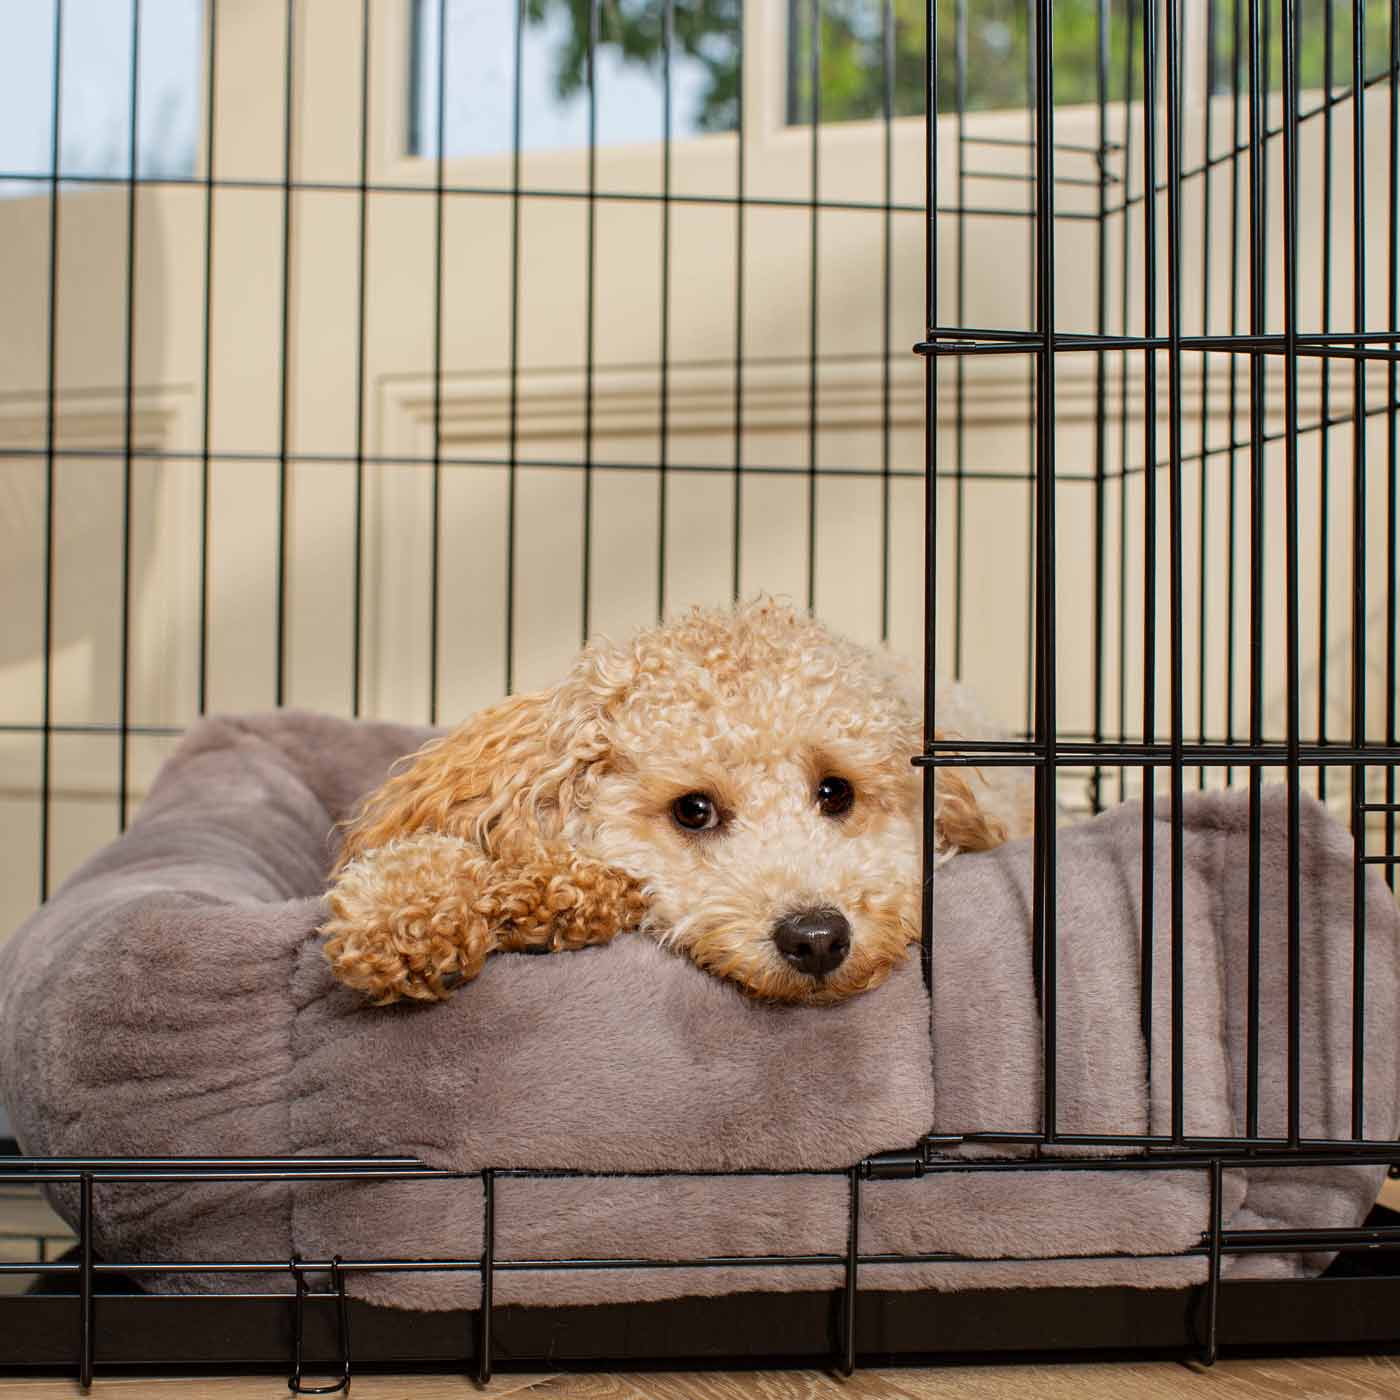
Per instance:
{"type": "Point", "coordinates": [171, 999]}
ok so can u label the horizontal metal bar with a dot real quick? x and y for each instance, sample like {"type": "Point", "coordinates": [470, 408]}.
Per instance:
{"type": "Point", "coordinates": [13, 456]}
{"type": "Point", "coordinates": [996, 342]}
{"type": "Point", "coordinates": [812, 1260]}
{"type": "Point", "coordinates": [1010, 347]}
{"type": "Point", "coordinates": [1232, 1242]}
{"type": "Point", "coordinates": [212, 1163]}
{"type": "Point", "coordinates": [1022, 143]}
{"type": "Point", "coordinates": [248, 1266]}
{"type": "Point", "coordinates": [566, 1265]}
{"type": "Point", "coordinates": [1360, 1234]}
{"type": "Point", "coordinates": [273, 185]}
{"type": "Point", "coordinates": [1226, 340]}
{"type": "Point", "coordinates": [44, 184]}
{"type": "Point", "coordinates": [1250, 1152]}
{"type": "Point", "coordinates": [146, 731]}
{"type": "Point", "coordinates": [654, 1173]}
{"type": "Point", "coordinates": [1310, 1153]}
{"type": "Point", "coordinates": [283, 1174]}
{"type": "Point", "coordinates": [1149, 1140]}
{"type": "Point", "coordinates": [1021, 178]}
{"type": "Point", "coordinates": [992, 475]}
{"type": "Point", "coordinates": [158, 1168]}
{"type": "Point", "coordinates": [1135, 754]}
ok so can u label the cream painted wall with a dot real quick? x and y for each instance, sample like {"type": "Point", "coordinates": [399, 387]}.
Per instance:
{"type": "Point", "coordinates": [245, 425]}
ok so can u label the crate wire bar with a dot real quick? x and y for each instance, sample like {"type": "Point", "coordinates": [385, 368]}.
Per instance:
{"type": "Point", "coordinates": [1154, 55]}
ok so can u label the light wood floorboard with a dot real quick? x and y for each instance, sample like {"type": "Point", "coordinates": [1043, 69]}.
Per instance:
{"type": "Point", "coordinates": [1327, 1378]}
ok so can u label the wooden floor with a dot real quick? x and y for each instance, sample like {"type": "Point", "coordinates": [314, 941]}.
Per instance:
{"type": "Point", "coordinates": [1322, 1379]}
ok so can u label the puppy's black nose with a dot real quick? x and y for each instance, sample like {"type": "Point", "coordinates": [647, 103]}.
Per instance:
{"type": "Point", "coordinates": [814, 941]}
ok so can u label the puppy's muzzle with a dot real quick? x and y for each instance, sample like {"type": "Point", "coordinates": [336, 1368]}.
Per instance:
{"type": "Point", "coordinates": [814, 941]}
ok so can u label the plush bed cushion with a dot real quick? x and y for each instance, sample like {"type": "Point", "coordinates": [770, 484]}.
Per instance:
{"type": "Point", "coordinates": [172, 998]}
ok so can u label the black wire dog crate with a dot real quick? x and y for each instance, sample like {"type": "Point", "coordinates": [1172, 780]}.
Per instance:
{"type": "Point", "coordinates": [369, 357]}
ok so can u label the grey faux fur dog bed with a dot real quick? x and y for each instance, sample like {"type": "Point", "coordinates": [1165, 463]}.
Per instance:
{"type": "Point", "coordinates": [171, 998]}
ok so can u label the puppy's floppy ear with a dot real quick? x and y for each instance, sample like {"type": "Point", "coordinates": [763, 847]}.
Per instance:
{"type": "Point", "coordinates": [962, 822]}
{"type": "Point", "coordinates": [498, 775]}
{"type": "Point", "coordinates": [478, 818]}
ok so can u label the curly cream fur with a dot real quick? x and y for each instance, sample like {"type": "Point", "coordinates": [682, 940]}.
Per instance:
{"type": "Point", "coordinates": [544, 822]}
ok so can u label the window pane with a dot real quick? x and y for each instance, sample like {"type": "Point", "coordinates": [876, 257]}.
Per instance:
{"type": "Point", "coordinates": [1229, 55]}
{"type": "Point", "coordinates": [479, 66]}
{"type": "Point", "coordinates": [95, 92]}
{"type": "Point", "coordinates": [997, 72]}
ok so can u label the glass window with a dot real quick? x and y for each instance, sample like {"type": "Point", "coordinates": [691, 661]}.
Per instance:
{"type": "Point", "coordinates": [478, 65]}
{"type": "Point", "coordinates": [1312, 47]}
{"type": "Point", "coordinates": [997, 72]}
{"type": "Point", "coordinates": [95, 90]}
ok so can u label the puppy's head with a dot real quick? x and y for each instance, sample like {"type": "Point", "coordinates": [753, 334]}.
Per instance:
{"type": "Point", "coordinates": [759, 790]}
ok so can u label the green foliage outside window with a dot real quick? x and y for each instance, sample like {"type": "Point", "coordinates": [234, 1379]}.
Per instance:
{"type": "Point", "coordinates": [997, 72]}
{"type": "Point", "coordinates": [1312, 51]}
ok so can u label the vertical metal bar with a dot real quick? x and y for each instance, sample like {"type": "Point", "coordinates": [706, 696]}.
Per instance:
{"type": "Point", "coordinates": [1175, 472]}
{"type": "Point", "coordinates": [736, 581]}
{"type": "Point", "coordinates": [1211, 1347]}
{"type": "Point", "coordinates": [930, 831]}
{"type": "Point", "coordinates": [668, 22]}
{"type": "Point", "coordinates": [1149, 501]}
{"type": "Point", "coordinates": [590, 272]}
{"type": "Point", "coordinates": [1392, 455]}
{"type": "Point", "coordinates": [1258, 254]}
{"type": "Point", "coordinates": [1358, 567]}
{"type": "Point", "coordinates": [488, 1276]}
{"type": "Point", "coordinates": [87, 1342]}
{"type": "Point", "coordinates": [49, 461]}
{"type": "Point", "coordinates": [342, 1323]}
{"type": "Point", "coordinates": [1324, 447]}
{"type": "Point", "coordinates": [284, 404]}
{"type": "Point", "coordinates": [1032, 443]}
{"type": "Point", "coordinates": [1125, 292]}
{"type": "Point", "coordinates": [1237, 9]}
{"type": "Point", "coordinates": [298, 1327]}
{"type": "Point", "coordinates": [50, 445]}
{"type": "Point", "coordinates": [361, 368]}
{"type": "Point", "coordinates": [960, 361]}
{"type": "Point", "coordinates": [1045, 719]}
{"type": "Point", "coordinates": [206, 358]}
{"type": "Point", "coordinates": [1100, 394]}
{"type": "Point", "coordinates": [813, 292]}
{"type": "Point", "coordinates": [1293, 564]}
{"type": "Point", "coordinates": [887, 312]}
{"type": "Point", "coordinates": [851, 1288]}
{"type": "Point", "coordinates": [128, 428]}
{"type": "Point", "coordinates": [513, 430]}
{"type": "Point", "coordinates": [1207, 260]}
{"type": "Point", "coordinates": [439, 230]}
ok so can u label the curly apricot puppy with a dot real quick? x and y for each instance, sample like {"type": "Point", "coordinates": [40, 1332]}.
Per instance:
{"type": "Point", "coordinates": [735, 784]}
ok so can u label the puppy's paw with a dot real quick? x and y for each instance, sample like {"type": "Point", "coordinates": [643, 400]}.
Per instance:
{"type": "Point", "coordinates": [557, 900]}
{"type": "Point", "coordinates": [402, 923]}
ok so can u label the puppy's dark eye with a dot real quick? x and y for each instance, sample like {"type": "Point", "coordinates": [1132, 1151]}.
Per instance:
{"type": "Point", "coordinates": [834, 796]}
{"type": "Point", "coordinates": [696, 811]}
